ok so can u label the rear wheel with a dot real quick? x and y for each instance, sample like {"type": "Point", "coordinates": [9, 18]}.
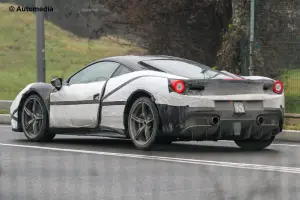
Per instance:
{"type": "Point", "coordinates": [254, 145]}
{"type": "Point", "coordinates": [143, 121]}
{"type": "Point", "coordinates": [35, 120]}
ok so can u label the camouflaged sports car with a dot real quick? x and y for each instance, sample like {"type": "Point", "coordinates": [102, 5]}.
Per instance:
{"type": "Point", "coordinates": [150, 100]}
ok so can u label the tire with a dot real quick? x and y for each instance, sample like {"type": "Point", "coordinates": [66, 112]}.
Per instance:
{"type": "Point", "coordinates": [136, 120]}
{"type": "Point", "coordinates": [254, 145]}
{"type": "Point", "coordinates": [35, 117]}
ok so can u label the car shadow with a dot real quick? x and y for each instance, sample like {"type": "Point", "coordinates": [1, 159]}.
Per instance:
{"type": "Point", "coordinates": [126, 146]}
{"type": "Point", "coordinates": [198, 148]}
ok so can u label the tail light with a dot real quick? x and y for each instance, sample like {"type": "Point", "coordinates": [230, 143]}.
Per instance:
{"type": "Point", "coordinates": [178, 86]}
{"type": "Point", "coordinates": [278, 87]}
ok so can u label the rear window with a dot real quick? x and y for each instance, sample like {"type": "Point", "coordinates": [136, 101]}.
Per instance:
{"type": "Point", "coordinates": [188, 69]}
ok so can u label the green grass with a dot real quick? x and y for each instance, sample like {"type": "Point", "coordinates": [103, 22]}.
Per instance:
{"type": "Point", "coordinates": [291, 80]}
{"type": "Point", "coordinates": [291, 127]}
{"type": "Point", "coordinates": [4, 112]}
{"type": "Point", "coordinates": [65, 52]}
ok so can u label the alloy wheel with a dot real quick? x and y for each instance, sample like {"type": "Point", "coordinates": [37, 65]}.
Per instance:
{"type": "Point", "coordinates": [141, 123]}
{"type": "Point", "coordinates": [32, 117]}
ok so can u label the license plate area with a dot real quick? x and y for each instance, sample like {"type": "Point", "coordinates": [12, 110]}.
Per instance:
{"type": "Point", "coordinates": [239, 107]}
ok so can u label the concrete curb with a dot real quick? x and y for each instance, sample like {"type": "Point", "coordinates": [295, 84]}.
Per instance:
{"type": "Point", "coordinates": [5, 119]}
{"type": "Point", "coordinates": [289, 136]}
{"type": "Point", "coordinates": [5, 104]}
{"type": "Point", "coordinates": [285, 135]}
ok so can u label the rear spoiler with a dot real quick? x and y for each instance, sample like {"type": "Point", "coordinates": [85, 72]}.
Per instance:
{"type": "Point", "coordinates": [245, 77]}
{"type": "Point", "coordinates": [232, 75]}
{"type": "Point", "coordinates": [257, 78]}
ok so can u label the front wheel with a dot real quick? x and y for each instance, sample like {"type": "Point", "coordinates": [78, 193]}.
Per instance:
{"type": "Point", "coordinates": [254, 145]}
{"type": "Point", "coordinates": [35, 120]}
{"type": "Point", "coordinates": [143, 123]}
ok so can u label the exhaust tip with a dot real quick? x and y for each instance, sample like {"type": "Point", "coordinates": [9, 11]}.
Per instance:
{"type": "Point", "coordinates": [260, 120]}
{"type": "Point", "coordinates": [215, 120]}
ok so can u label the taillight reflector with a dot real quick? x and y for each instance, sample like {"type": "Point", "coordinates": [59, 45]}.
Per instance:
{"type": "Point", "coordinates": [278, 87]}
{"type": "Point", "coordinates": [178, 86]}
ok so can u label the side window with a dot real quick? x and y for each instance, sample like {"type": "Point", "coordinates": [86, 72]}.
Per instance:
{"type": "Point", "coordinates": [100, 71]}
{"type": "Point", "coordinates": [122, 70]}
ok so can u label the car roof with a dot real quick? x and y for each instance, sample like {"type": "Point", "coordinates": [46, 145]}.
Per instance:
{"type": "Point", "coordinates": [132, 61]}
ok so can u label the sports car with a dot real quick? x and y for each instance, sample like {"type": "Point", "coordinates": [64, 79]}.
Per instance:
{"type": "Point", "coordinates": [153, 100]}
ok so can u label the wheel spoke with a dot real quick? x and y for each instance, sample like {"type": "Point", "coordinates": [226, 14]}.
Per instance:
{"type": "Point", "coordinates": [147, 133]}
{"type": "Point", "coordinates": [138, 133]}
{"type": "Point", "coordinates": [34, 106]}
{"type": "Point", "coordinates": [28, 112]}
{"type": "Point", "coordinates": [144, 110]}
{"type": "Point", "coordinates": [137, 119]}
{"type": "Point", "coordinates": [38, 117]}
{"type": "Point", "coordinates": [149, 120]}
{"type": "Point", "coordinates": [35, 127]}
{"type": "Point", "coordinates": [29, 123]}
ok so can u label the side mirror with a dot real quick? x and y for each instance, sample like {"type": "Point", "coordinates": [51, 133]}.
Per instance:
{"type": "Point", "coordinates": [57, 83]}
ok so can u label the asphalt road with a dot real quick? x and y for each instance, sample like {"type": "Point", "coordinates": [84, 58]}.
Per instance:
{"type": "Point", "coordinates": [88, 168]}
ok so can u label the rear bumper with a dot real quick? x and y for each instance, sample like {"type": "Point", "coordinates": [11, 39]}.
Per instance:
{"type": "Point", "coordinates": [195, 123]}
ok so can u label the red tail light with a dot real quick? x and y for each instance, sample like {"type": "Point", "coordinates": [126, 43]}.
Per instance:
{"type": "Point", "coordinates": [178, 86]}
{"type": "Point", "coordinates": [278, 87]}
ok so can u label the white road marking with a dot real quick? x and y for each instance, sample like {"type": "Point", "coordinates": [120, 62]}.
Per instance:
{"type": "Point", "coordinates": [293, 170]}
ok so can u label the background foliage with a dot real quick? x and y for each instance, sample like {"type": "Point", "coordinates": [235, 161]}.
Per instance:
{"type": "Point", "coordinates": [214, 32]}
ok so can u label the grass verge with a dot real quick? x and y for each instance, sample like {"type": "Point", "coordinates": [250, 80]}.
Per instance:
{"type": "Point", "coordinates": [65, 52]}
{"type": "Point", "coordinates": [291, 80]}
{"type": "Point", "coordinates": [292, 127]}
{"type": "Point", "coordinates": [4, 112]}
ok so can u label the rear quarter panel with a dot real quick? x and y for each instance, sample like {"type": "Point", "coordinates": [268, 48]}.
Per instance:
{"type": "Point", "coordinates": [119, 89]}
{"type": "Point", "coordinates": [156, 83]}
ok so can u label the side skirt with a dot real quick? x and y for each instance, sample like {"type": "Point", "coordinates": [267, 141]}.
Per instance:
{"type": "Point", "coordinates": [101, 131]}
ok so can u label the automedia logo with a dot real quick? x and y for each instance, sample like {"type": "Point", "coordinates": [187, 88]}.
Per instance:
{"type": "Point", "coordinates": [30, 9]}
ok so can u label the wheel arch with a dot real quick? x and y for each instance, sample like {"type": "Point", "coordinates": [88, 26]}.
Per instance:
{"type": "Point", "coordinates": [43, 91]}
{"type": "Point", "coordinates": [132, 98]}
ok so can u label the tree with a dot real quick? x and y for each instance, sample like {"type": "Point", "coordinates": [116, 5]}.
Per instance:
{"type": "Point", "coordinates": [183, 28]}
{"type": "Point", "coordinates": [276, 26]}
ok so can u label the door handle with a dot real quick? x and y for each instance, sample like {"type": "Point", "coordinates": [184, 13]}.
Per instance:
{"type": "Point", "coordinates": [96, 96]}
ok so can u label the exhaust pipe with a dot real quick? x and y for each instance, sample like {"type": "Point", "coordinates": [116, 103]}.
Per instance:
{"type": "Point", "coordinates": [215, 120]}
{"type": "Point", "coordinates": [260, 120]}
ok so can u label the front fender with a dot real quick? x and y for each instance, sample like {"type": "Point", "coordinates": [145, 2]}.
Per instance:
{"type": "Point", "coordinates": [16, 102]}
{"type": "Point", "coordinates": [42, 89]}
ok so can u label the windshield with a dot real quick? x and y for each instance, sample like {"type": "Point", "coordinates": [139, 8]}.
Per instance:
{"type": "Point", "coordinates": [188, 69]}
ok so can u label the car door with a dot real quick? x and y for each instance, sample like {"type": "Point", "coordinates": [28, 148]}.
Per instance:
{"type": "Point", "coordinates": [112, 112]}
{"type": "Point", "coordinates": [77, 103]}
